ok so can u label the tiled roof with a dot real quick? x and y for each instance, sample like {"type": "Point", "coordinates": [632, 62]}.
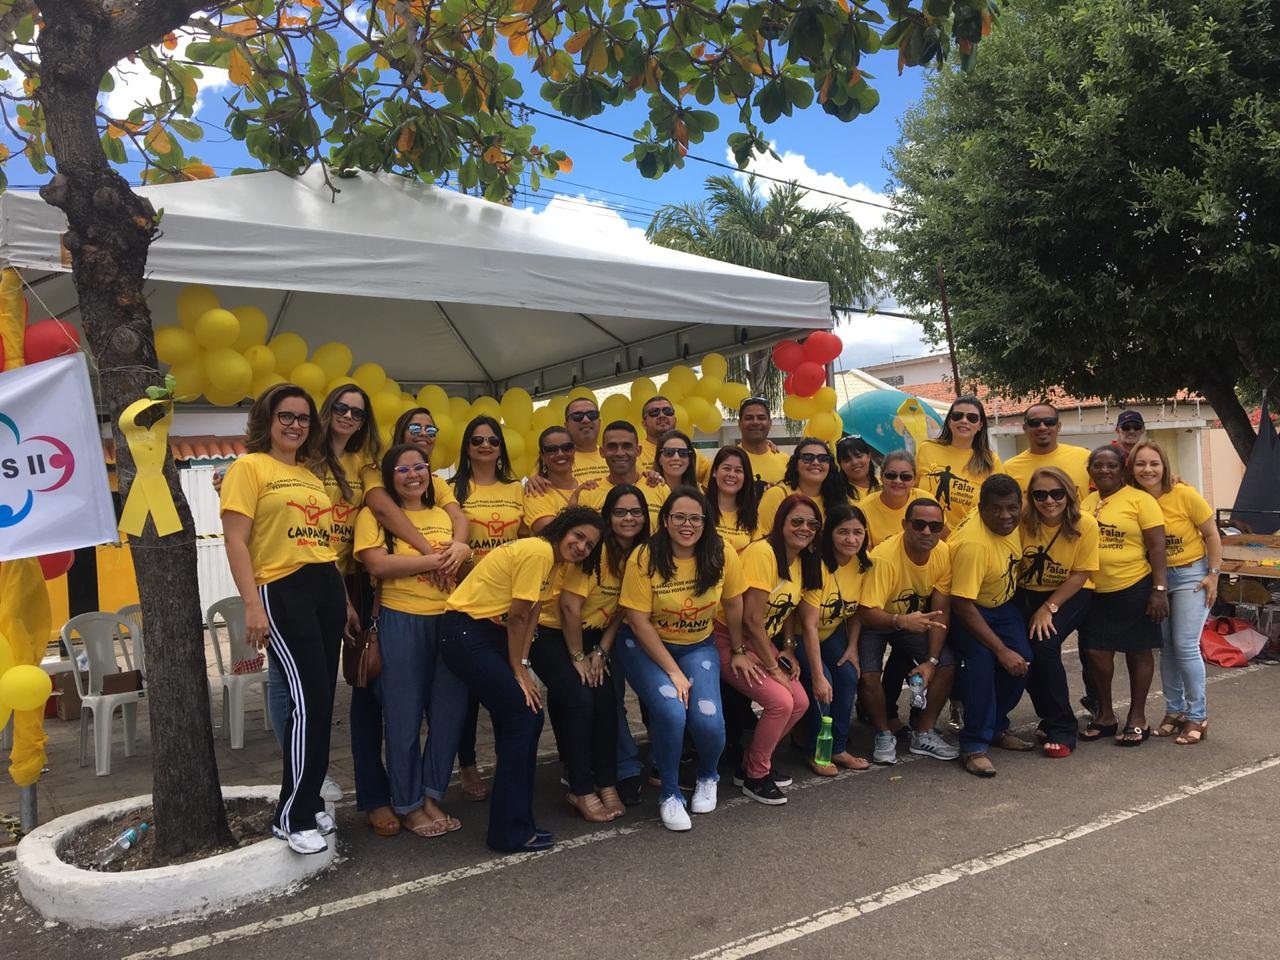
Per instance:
{"type": "Point", "coordinates": [999, 405]}
{"type": "Point", "coordinates": [192, 448]}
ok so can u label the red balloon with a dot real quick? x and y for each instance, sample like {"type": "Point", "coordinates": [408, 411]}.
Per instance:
{"type": "Point", "coordinates": [786, 384]}
{"type": "Point", "coordinates": [787, 355]}
{"type": "Point", "coordinates": [46, 339]}
{"type": "Point", "coordinates": [822, 347]}
{"type": "Point", "coordinates": [54, 565]}
{"type": "Point", "coordinates": [807, 379]}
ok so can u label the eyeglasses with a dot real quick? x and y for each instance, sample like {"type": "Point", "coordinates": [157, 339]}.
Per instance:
{"type": "Point", "coordinates": [958, 415]}
{"type": "Point", "coordinates": [579, 415]}
{"type": "Point", "coordinates": [920, 526]}
{"type": "Point", "coordinates": [288, 418]}
{"type": "Point", "coordinates": [1034, 422]}
{"type": "Point", "coordinates": [1040, 496]}
{"type": "Point", "coordinates": [414, 429]}
{"type": "Point", "coordinates": [799, 522]}
{"type": "Point", "coordinates": [481, 441]}
{"type": "Point", "coordinates": [815, 458]}
{"type": "Point", "coordinates": [660, 412]}
{"type": "Point", "coordinates": [341, 409]}
{"type": "Point", "coordinates": [1133, 428]}
{"type": "Point", "coordinates": [682, 453]}
{"type": "Point", "coordinates": [558, 447]}
{"type": "Point", "coordinates": [903, 475]}
{"type": "Point", "coordinates": [687, 519]}
{"type": "Point", "coordinates": [623, 512]}
{"type": "Point", "coordinates": [408, 468]}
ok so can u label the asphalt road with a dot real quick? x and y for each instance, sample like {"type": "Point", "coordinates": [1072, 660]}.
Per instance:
{"type": "Point", "coordinates": [1161, 852]}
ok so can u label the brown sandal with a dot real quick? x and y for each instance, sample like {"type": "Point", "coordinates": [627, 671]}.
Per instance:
{"type": "Point", "coordinates": [1170, 726]}
{"type": "Point", "coordinates": [384, 822]}
{"type": "Point", "coordinates": [612, 802]}
{"type": "Point", "coordinates": [823, 769]}
{"type": "Point", "coordinates": [979, 764]}
{"type": "Point", "coordinates": [1192, 733]}
{"type": "Point", "coordinates": [588, 807]}
{"type": "Point", "coordinates": [849, 762]}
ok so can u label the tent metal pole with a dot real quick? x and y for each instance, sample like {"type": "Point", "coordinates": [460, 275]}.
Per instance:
{"type": "Point", "coordinates": [608, 333]}
{"type": "Point", "coordinates": [275, 323]}
{"type": "Point", "coordinates": [465, 346]}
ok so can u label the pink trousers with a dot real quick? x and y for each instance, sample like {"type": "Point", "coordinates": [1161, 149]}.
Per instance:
{"type": "Point", "coordinates": [784, 705]}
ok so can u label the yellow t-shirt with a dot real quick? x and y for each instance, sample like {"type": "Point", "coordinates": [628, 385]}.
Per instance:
{"type": "Point", "coordinates": [495, 513]}
{"type": "Point", "coordinates": [679, 614]}
{"type": "Point", "coordinates": [767, 468]}
{"type": "Point", "coordinates": [1184, 510]}
{"type": "Point", "coordinates": [417, 593]}
{"type": "Point", "coordinates": [1072, 460]}
{"type": "Point", "coordinates": [654, 497]}
{"type": "Point", "coordinates": [984, 565]}
{"type": "Point", "coordinates": [772, 500]}
{"type": "Point", "coordinates": [760, 570]}
{"type": "Point", "coordinates": [516, 570]}
{"type": "Point", "coordinates": [944, 470]}
{"type": "Point", "coordinates": [649, 454]}
{"type": "Point", "coordinates": [589, 465]}
{"type": "Point", "coordinates": [1122, 555]}
{"type": "Point", "coordinates": [837, 600]}
{"type": "Point", "coordinates": [290, 513]}
{"type": "Point", "coordinates": [733, 536]}
{"type": "Point", "coordinates": [1049, 557]}
{"type": "Point", "coordinates": [540, 505]}
{"type": "Point", "coordinates": [895, 584]}
{"type": "Point", "coordinates": [600, 592]}
{"type": "Point", "coordinates": [343, 519]}
{"type": "Point", "coordinates": [884, 521]}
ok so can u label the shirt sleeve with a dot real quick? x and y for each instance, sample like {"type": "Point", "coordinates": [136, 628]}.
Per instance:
{"type": "Point", "coordinates": [368, 533]}
{"type": "Point", "coordinates": [877, 584]}
{"type": "Point", "coordinates": [769, 503]}
{"type": "Point", "coordinates": [530, 568]}
{"type": "Point", "coordinates": [1197, 507]}
{"type": "Point", "coordinates": [443, 491]}
{"type": "Point", "coordinates": [637, 589]}
{"type": "Point", "coordinates": [370, 475]}
{"type": "Point", "coordinates": [759, 566]}
{"type": "Point", "coordinates": [577, 581]}
{"type": "Point", "coordinates": [538, 506]}
{"type": "Point", "coordinates": [968, 567]}
{"type": "Point", "coordinates": [241, 488]}
{"type": "Point", "coordinates": [1149, 512]}
{"type": "Point", "coordinates": [735, 583]}
{"type": "Point", "coordinates": [945, 557]}
{"type": "Point", "coordinates": [1086, 557]}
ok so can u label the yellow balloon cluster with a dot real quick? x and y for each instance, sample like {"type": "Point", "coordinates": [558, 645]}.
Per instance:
{"type": "Point", "coordinates": [217, 352]}
{"type": "Point", "coordinates": [819, 412]}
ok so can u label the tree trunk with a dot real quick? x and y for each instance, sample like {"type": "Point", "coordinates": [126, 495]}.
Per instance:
{"type": "Point", "coordinates": [1220, 391]}
{"type": "Point", "coordinates": [110, 229]}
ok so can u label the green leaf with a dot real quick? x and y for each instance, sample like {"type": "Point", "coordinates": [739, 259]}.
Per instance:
{"type": "Point", "coordinates": [107, 84]}
{"type": "Point", "coordinates": [187, 129]}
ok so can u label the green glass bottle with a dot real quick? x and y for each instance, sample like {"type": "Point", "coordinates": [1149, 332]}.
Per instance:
{"type": "Point", "coordinates": [822, 752]}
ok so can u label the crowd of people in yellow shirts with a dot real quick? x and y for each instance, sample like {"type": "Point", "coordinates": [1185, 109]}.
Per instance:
{"type": "Point", "coordinates": [748, 599]}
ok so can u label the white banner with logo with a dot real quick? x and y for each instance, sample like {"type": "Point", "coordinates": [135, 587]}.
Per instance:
{"type": "Point", "coordinates": [53, 478]}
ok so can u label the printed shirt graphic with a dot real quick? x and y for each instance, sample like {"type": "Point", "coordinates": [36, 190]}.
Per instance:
{"type": "Point", "coordinates": [600, 594]}
{"type": "Point", "coordinates": [984, 565]}
{"type": "Point", "coordinates": [767, 468]}
{"type": "Point", "coordinates": [649, 454]}
{"type": "Point", "coordinates": [1049, 558]}
{"type": "Point", "coordinates": [760, 571]}
{"type": "Point", "coordinates": [884, 521]}
{"type": "Point", "coordinates": [1184, 510]}
{"type": "Point", "coordinates": [517, 570]}
{"type": "Point", "coordinates": [290, 513]}
{"type": "Point", "coordinates": [343, 519]}
{"type": "Point", "coordinates": [540, 505]}
{"type": "Point", "coordinates": [838, 598]}
{"type": "Point", "coordinates": [735, 538]}
{"type": "Point", "coordinates": [944, 471]}
{"type": "Point", "coordinates": [896, 585]}
{"type": "Point", "coordinates": [1122, 556]}
{"type": "Point", "coordinates": [1071, 460]}
{"type": "Point", "coordinates": [589, 466]}
{"type": "Point", "coordinates": [495, 513]}
{"type": "Point", "coordinates": [679, 614]}
{"type": "Point", "coordinates": [654, 498]}
{"type": "Point", "coordinates": [417, 593]}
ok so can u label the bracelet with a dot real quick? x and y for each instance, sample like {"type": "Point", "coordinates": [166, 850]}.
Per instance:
{"type": "Point", "coordinates": [788, 644]}
{"type": "Point", "coordinates": [599, 652]}
{"type": "Point", "coordinates": [524, 662]}
{"type": "Point", "coordinates": [740, 651]}
{"type": "Point", "coordinates": [1160, 588]}
{"type": "Point", "coordinates": [935, 661]}
{"type": "Point", "coordinates": [895, 621]}
{"type": "Point", "coordinates": [1214, 571]}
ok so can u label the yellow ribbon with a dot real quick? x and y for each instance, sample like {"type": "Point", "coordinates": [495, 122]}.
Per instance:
{"type": "Point", "coordinates": [149, 493]}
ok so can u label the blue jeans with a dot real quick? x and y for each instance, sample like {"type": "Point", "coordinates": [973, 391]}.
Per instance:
{"type": "Point", "coordinates": [844, 690]}
{"type": "Point", "coordinates": [668, 717]}
{"type": "Point", "coordinates": [628, 752]}
{"type": "Point", "coordinates": [1181, 666]}
{"type": "Point", "coordinates": [988, 692]}
{"type": "Point", "coordinates": [415, 685]}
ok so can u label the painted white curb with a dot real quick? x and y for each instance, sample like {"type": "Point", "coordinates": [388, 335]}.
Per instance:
{"type": "Point", "coordinates": [86, 898]}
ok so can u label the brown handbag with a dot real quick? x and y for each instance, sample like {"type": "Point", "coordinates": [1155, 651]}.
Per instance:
{"type": "Point", "coordinates": [362, 657]}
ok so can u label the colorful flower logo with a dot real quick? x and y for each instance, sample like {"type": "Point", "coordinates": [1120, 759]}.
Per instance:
{"type": "Point", "coordinates": [40, 463]}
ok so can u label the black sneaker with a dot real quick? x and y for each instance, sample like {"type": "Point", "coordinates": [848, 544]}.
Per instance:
{"type": "Point", "coordinates": [764, 791]}
{"type": "Point", "coordinates": [631, 790]}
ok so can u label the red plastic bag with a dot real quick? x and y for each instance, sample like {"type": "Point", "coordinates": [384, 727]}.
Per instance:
{"type": "Point", "coordinates": [1230, 642]}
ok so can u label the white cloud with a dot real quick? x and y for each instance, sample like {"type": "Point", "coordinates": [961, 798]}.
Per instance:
{"type": "Point", "coordinates": [135, 85]}
{"type": "Point", "coordinates": [876, 338]}
{"type": "Point", "coordinates": [581, 216]}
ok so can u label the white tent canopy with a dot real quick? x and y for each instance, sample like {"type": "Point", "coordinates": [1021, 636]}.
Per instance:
{"type": "Point", "coordinates": [436, 286]}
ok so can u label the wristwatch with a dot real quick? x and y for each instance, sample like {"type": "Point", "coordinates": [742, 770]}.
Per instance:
{"type": "Point", "coordinates": [579, 657]}
{"type": "Point", "coordinates": [740, 651]}
{"type": "Point", "coordinates": [1160, 588]}
{"type": "Point", "coordinates": [1215, 571]}
{"type": "Point", "coordinates": [1053, 607]}
{"type": "Point", "coordinates": [525, 662]}
{"type": "Point", "coordinates": [935, 661]}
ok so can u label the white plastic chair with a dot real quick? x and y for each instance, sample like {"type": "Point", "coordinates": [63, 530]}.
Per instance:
{"type": "Point", "coordinates": [98, 636]}
{"type": "Point", "coordinates": [131, 616]}
{"type": "Point", "coordinates": [243, 672]}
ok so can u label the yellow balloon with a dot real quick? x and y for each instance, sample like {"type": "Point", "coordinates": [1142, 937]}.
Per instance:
{"type": "Point", "coordinates": [290, 350]}
{"type": "Point", "coordinates": [517, 408]}
{"type": "Point", "coordinates": [25, 687]}
{"type": "Point", "coordinates": [711, 422]}
{"type": "Point", "coordinates": [697, 409]}
{"type": "Point", "coordinates": [824, 425]}
{"type": "Point", "coordinates": [193, 303]}
{"type": "Point", "coordinates": [386, 408]}
{"type": "Point", "coordinates": [683, 378]}
{"type": "Point", "coordinates": [673, 390]}
{"type": "Point", "coordinates": [460, 410]}
{"type": "Point", "coordinates": [642, 388]}
{"type": "Point", "coordinates": [371, 377]}
{"type": "Point", "coordinates": [714, 365]}
{"type": "Point", "coordinates": [615, 407]}
{"type": "Point", "coordinates": [732, 394]}
{"type": "Point", "coordinates": [448, 429]}
{"type": "Point", "coordinates": [547, 416]}
{"type": "Point", "coordinates": [798, 408]}
{"type": "Point", "coordinates": [515, 446]}
{"type": "Point", "coordinates": [189, 378]}
{"type": "Point", "coordinates": [309, 376]}
{"type": "Point", "coordinates": [825, 398]}
{"type": "Point", "coordinates": [683, 418]}
{"type": "Point", "coordinates": [709, 388]}
{"type": "Point", "coordinates": [175, 345]}
{"type": "Point", "coordinates": [228, 372]}
{"type": "Point", "coordinates": [582, 393]}
{"type": "Point", "coordinates": [261, 359]}
{"type": "Point", "coordinates": [264, 382]}
{"type": "Point", "coordinates": [486, 406]}
{"type": "Point", "coordinates": [342, 381]}
{"type": "Point", "coordinates": [253, 328]}
{"type": "Point", "coordinates": [224, 398]}
{"type": "Point", "coordinates": [443, 458]}
{"type": "Point", "coordinates": [390, 386]}
{"type": "Point", "coordinates": [333, 358]}
{"type": "Point", "coordinates": [433, 398]}
{"type": "Point", "coordinates": [217, 328]}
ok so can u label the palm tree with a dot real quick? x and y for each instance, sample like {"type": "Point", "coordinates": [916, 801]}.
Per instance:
{"type": "Point", "coordinates": [778, 234]}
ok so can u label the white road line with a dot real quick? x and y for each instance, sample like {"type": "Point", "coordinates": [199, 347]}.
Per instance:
{"type": "Point", "coordinates": [898, 893]}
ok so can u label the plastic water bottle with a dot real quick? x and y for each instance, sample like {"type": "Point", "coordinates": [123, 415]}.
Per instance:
{"type": "Point", "coordinates": [919, 694]}
{"type": "Point", "coordinates": [822, 751]}
{"type": "Point", "coordinates": [121, 845]}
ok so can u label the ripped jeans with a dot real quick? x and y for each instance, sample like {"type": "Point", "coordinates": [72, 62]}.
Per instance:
{"type": "Point", "coordinates": [668, 717]}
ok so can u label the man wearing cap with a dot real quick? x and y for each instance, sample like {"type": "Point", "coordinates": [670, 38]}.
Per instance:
{"type": "Point", "coordinates": [1131, 429]}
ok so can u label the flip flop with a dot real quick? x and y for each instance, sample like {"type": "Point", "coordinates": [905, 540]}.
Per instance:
{"type": "Point", "coordinates": [1132, 736]}
{"type": "Point", "coordinates": [824, 769]}
{"type": "Point", "coordinates": [853, 763]}
{"type": "Point", "coordinates": [450, 823]}
{"type": "Point", "coordinates": [1096, 731]}
{"type": "Point", "coordinates": [384, 826]}
{"type": "Point", "coordinates": [431, 828]}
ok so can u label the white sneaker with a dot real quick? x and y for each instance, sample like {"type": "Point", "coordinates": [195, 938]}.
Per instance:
{"type": "Point", "coordinates": [886, 748]}
{"type": "Point", "coordinates": [704, 796]}
{"type": "Point", "coordinates": [674, 815]}
{"type": "Point", "coordinates": [325, 824]}
{"type": "Point", "coordinates": [931, 744]}
{"type": "Point", "coordinates": [330, 792]}
{"type": "Point", "coordinates": [302, 841]}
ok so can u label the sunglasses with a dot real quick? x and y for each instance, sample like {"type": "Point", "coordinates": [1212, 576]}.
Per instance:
{"type": "Point", "coordinates": [798, 523]}
{"type": "Point", "coordinates": [621, 513]}
{"type": "Point", "coordinates": [358, 414]}
{"type": "Point", "coordinates": [816, 458]}
{"type": "Point", "coordinates": [682, 453]}
{"type": "Point", "coordinates": [687, 519]}
{"type": "Point", "coordinates": [481, 441]}
{"type": "Point", "coordinates": [288, 419]}
{"type": "Point", "coordinates": [902, 475]}
{"type": "Point", "coordinates": [660, 412]}
{"type": "Point", "coordinates": [1133, 428]}
{"type": "Point", "coordinates": [558, 447]}
{"type": "Point", "coordinates": [958, 415]}
{"type": "Point", "coordinates": [920, 526]}
{"type": "Point", "coordinates": [579, 415]}
{"type": "Point", "coordinates": [408, 468]}
{"type": "Point", "coordinates": [1040, 496]}
{"type": "Point", "coordinates": [1034, 422]}
{"type": "Point", "coordinates": [417, 429]}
